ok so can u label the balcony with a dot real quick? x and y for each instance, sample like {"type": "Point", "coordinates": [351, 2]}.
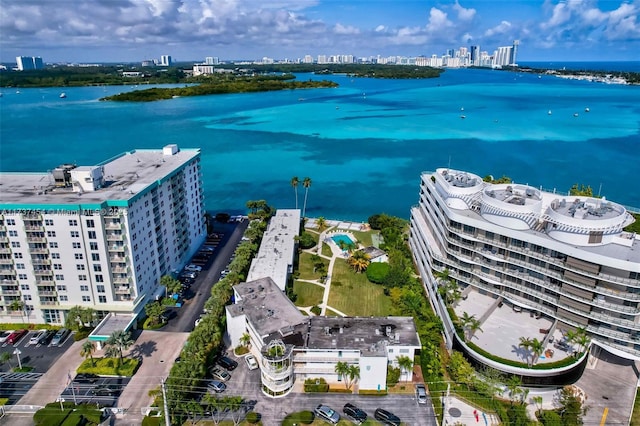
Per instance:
{"type": "Point", "coordinates": [120, 270]}
{"type": "Point", "coordinates": [38, 250]}
{"type": "Point", "coordinates": [46, 283]}
{"type": "Point", "coordinates": [10, 292]}
{"type": "Point", "coordinates": [5, 250]}
{"type": "Point", "coordinates": [49, 302]}
{"type": "Point", "coordinates": [121, 280]}
{"type": "Point", "coordinates": [34, 239]}
{"type": "Point", "coordinates": [6, 261]}
{"type": "Point", "coordinates": [47, 293]}
{"type": "Point", "coordinates": [41, 261]}
{"type": "Point", "coordinates": [118, 259]}
{"type": "Point", "coordinates": [118, 248]}
{"type": "Point", "coordinates": [43, 272]}
{"type": "Point", "coordinates": [4, 239]}
{"type": "Point", "coordinates": [115, 237]}
{"type": "Point", "coordinates": [123, 290]}
{"type": "Point", "coordinates": [34, 228]}
{"type": "Point", "coordinates": [113, 226]}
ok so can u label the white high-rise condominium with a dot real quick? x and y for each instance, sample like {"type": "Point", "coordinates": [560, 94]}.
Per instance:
{"type": "Point", "coordinates": [165, 61]}
{"type": "Point", "coordinates": [29, 63]}
{"type": "Point", "coordinates": [565, 257]}
{"type": "Point", "coordinates": [97, 236]}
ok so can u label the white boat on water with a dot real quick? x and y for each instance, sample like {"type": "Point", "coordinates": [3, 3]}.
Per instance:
{"type": "Point", "coordinates": [549, 112]}
{"type": "Point", "coordinates": [63, 95]}
{"type": "Point", "coordinates": [587, 109]}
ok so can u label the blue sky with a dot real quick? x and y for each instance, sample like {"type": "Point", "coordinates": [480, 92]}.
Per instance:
{"type": "Point", "coordinates": [133, 30]}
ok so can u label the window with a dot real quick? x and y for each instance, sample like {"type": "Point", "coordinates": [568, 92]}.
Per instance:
{"type": "Point", "coordinates": [84, 288]}
{"type": "Point", "coordinates": [53, 244]}
{"type": "Point", "coordinates": [404, 351]}
{"type": "Point", "coordinates": [15, 244]}
{"type": "Point", "coordinates": [17, 255]}
{"type": "Point", "coordinates": [22, 276]}
{"type": "Point", "coordinates": [51, 233]}
{"type": "Point", "coordinates": [82, 277]}
{"type": "Point", "coordinates": [76, 245]}
{"type": "Point", "coordinates": [97, 268]}
{"type": "Point", "coordinates": [78, 256]}
{"type": "Point", "coordinates": [99, 278]}
{"type": "Point", "coordinates": [62, 288]}
{"type": "Point", "coordinates": [90, 223]}
{"type": "Point", "coordinates": [55, 255]}
{"type": "Point", "coordinates": [93, 245]}
{"type": "Point", "coordinates": [63, 298]}
{"type": "Point", "coordinates": [60, 277]}
{"type": "Point", "coordinates": [48, 222]}
{"type": "Point", "coordinates": [80, 267]}
{"type": "Point", "coordinates": [92, 235]}
{"type": "Point", "coordinates": [100, 288]}
{"type": "Point", "coordinates": [24, 287]}
{"type": "Point", "coordinates": [86, 298]}
{"type": "Point", "coordinates": [19, 265]}
{"type": "Point", "coordinates": [26, 297]}
{"type": "Point", "coordinates": [95, 257]}
{"type": "Point", "coordinates": [595, 237]}
{"type": "Point", "coordinates": [11, 222]}
{"type": "Point", "coordinates": [102, 299]}
{"type": "Point", "coordinates": [75, 234]}
{"type": "Point", "coordinates": [73, 222]}
{"type": "Point", "coordinates": [13, 233]}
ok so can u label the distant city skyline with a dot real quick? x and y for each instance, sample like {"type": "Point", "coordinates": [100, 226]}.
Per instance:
{"type": "Point", "coordinates": [135, 30]}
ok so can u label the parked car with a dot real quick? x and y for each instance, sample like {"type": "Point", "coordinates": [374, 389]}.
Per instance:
{"type": "Point", "coordinates": [207, 249]}
{"type": "Point", "coordinates": [192, 267]}
{"type": "Point", "coordinates": [86, 378]}
{"type": "Point", "coordinates": [227, 363]}
{"type": "Point", "coordinates": [46, 339]}
{"type": "Point", "coordinates": [354, 413]}
{"type": "Point", "coordinates": [189, 274]}
{"type": "Point", "coordinates": [251, 362]}
{"type": "Point", "coordinates": [327, 413]}
{"type": "Point", "coordinates": [59, 337]}
{"type": "Point", "coordinates": [5, 335]}
{"type": "Point", "coordinates": [168, 315]}
{"type": "Point", "coordinates": [16, 336]}
{"type": "Point", "coordinates": [105, 390]}
{"type": "Point", "coordinates": [216, 386]}
{"type": "Point", "coordinates": [386, 417]}
{"type": "Point", "coordinates": [421, 394]}
{"type": "Point", "coordinates": [220, 374]}
{"type": "Point", "coordinates": [37, 336]}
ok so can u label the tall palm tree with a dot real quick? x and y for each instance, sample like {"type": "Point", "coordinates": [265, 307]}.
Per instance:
{"type": "Point", "coordinates": [513, 385]}
{"type": "Point", "coordinates": [306, 182]}
{"type": "Point", "coordinates": [6, 357]}
{"type": "Point", "coordinates": [525, 343]}
{"type": "Point", "coordinates": [342, 370]}
{"type": "Point", "coordinates": [322, 223]}
{"type": "Point", "coordinates": [359, 261]}
{"type": "Point", "coordinates": [245, 339]}
{"type": "Point", "coordinates": [87, 350]}
{"type": "Point", "coordinates": [537, 348]}
{"type": "Point", "coordinates": [353, 375]}
{"type": "Point", "coordinates": [294, 183]}
{"type": "Point", "coordinates": [472, 327]}
{"type": "Point", "coordinates": [121, 340]}
{"type": "Point", "coordinates": [405, 364]}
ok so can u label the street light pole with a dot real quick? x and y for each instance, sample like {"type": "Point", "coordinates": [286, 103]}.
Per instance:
{"type": "Point", "coordinates": [17, 353]}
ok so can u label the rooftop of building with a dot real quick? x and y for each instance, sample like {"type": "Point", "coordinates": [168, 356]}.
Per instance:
{"type": "Point", "coordinates": [586, 208]}
{"type": "Point", "coordinates": [269, 310]}
{"type": "Point", "coordinates": [124, 176]}
{"type": "Point", "coordinates": [373, 252]}
{"type": "Point", "coordinates": [460, 179]}
{"type": "Point", "coordinates": [110, 323]}
{"type": "Point", "coordinates": [518, 195]}
{"type": "Point", "coordinates": [371, 335]}
{"type": "Point", "coordinates": [277, 248]}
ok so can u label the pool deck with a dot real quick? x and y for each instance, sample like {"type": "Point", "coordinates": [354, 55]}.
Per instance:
{"type": "Point", "coordinates": [502, 326]}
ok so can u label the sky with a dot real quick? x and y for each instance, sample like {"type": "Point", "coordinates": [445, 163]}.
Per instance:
{"type": "Point", "coordinates": [190, 30]}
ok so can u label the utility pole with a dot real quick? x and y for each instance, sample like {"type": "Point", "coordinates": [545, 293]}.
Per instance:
{"type": "Point", "coordinates": [446, 405]}
{"type": "Point", "coordinates": [167, 422]}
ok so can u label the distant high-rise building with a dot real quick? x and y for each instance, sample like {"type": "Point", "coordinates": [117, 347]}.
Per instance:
{"type": "Point", "coordinates": [208, 60]}
{"type": "Point", "coordinates": [29, 63]}
{"type": "Point", "coordinates": [165, 61]}
{"type": "Point", "coordinates": [322, 59]}
{"type": "Point", "coordinates": [502, 57]}
{"type": "Point", "coordinates": [308, 59]}
{"type": "Point", "coordinates": [451, 53]}
{"type": "Point", "coordinates": [514, 52]}
{"type": "Point", "coordinates": [475, 55]}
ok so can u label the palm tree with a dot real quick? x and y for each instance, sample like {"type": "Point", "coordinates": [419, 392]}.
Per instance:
{"type": "Point", "coordinates": [525, 343]}
{"type": "Point", "coordinates": [121, 340]}
{"type": "Point", "coordinates": [322, 223]}
{"type": "Point", "coordinates": [306, 182]}
{"type": "Point", "coordinates": [6, 357]}
{"type": "Point", "coordinates": [537, 400]}
{"type": "Point", "coordinates": [245, 339]}
{"type": "Point", "coordinates": [472, 327]}
{"type": "Point", "coordinates": [353, 375]}
{"type": "Point", "coordinates": [406, 365]}
{"type": "Point", "coordinates": [513, 385]}
{"type": "Point", "coordinates": [294, 184]}
{"type": "Point", "coordinates": [444, 275]}
{"type": "Point", "coordinates": [342, 369]}
{"type": "Point", "coordinates": [537, 348]}
{"type": "Point", "coordinates": [359, 261]}
{"type": "Point", "coordinates": [87, 350]}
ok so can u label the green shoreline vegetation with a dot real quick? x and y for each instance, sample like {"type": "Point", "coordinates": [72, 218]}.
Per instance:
{"type": "Point", "coordinates": [222, 85]}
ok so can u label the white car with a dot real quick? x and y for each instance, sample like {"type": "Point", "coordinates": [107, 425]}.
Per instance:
{"type": "Point", "coordinates": [193, 268]}
{"type": "Point", "coordinates": [5, 335]}
{"type": "Point", "coordinates": [251, 362]}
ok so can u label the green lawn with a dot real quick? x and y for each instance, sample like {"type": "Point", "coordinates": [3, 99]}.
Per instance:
{"type": "Point", "coordinates": [308, 294]}
{"type": "Point", "coordinates": [305, 267]}
{"type": "Point", "coordinates": [364, 237]}
{"type": "Point", "coordinates": [326, 250]}
{"type": "Point", "coordinates": [635, 416]}
{"type": "Point", "coordinates": [354, 295]}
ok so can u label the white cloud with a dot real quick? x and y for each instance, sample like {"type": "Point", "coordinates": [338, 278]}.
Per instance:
{"type": "Point", "coordinates": [345, 29]}
{"type": "Point", "coordinates": [502, 28]}
{"type": "Point", "coordinates": [438, 20]}
{"type": "Point", "coordinates": [464, 14]}
{"type": "Point", "coordinates": [380, 28]}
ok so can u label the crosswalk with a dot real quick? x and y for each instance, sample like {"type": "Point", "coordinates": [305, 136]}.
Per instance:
{"type": "Point", "coordinates": [20, 376]}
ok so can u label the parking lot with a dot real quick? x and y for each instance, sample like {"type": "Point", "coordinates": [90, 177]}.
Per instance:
{"type": "Point", "coordinates": [104, 391]}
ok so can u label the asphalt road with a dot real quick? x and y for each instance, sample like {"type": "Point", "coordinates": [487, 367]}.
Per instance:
{"type": "Point", "coordinates": [84, 392]}
{"type": "Point", "coordinates": [201, 288]}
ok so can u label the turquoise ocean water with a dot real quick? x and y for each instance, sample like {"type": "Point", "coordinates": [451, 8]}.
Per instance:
{"type": "Point", "coordinates": [363, 144]}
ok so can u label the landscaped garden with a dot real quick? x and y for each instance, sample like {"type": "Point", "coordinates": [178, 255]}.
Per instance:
{"type": "Point", "coordinates": [308, 294]}
{"type": "Point", "coordinates": [353, 294]}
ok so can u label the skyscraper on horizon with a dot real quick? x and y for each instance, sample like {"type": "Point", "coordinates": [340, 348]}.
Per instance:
{"type": "Point", "coordinates": [29, 63]}
{"type": "Point", "coordinates": [165, 61]}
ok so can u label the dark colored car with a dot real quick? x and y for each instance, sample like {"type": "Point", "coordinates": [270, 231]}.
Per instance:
{"type": "Point", "coordinates": [354, 413]}
{"type": "Point", "coordinates": [168, 315]}
{"type": "Point", "coordinates": [386, 417]}
{"type": "Point", "coordinates": [86, 378]}
{"type": "Point", "coordinates": [227, 363]}
{"type": "Point", "coordinates": [105, 390]}
{"type": "Point", "coordinates": [46, 338]}
{"type": "Point", "coordinates": [16, 336]}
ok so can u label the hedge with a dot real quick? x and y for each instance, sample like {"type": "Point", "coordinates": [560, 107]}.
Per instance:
{"type": "Point", "coordinates": [28, 326]}
{"type": "Point", "coordinates": [316, 385]}
{"type": "Point", "coordinates": [546, 366]}
{"type": "Point", "coordinates": [81, 414]}
{"type": "Point", "coordinates": [304, 417]}
{"type": "Point", "coordinates": [340, 390]}
{"type": "Point", "coordinates": [381, 392]}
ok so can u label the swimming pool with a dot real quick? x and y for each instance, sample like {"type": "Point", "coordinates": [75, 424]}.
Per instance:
{"type": "Point", "coordinates": [342, 237]}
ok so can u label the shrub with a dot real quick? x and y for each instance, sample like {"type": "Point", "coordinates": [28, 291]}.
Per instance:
{"type": "Point", "coordinates": [377, 272]}
{"type": "Point", "coordinates": [381, 392]}
{"type": "Point", "coordinates": [150, 324]}
{"type": "Point", "coordinates": [393, 375]}
{"type": "Point", "coordinates": [82, 334]}
{"type": "Point", "coordinates": [151, 421]}
{"type": "Point", "coordinates": [316, 385]}
{"type": "Point", "coordinates": [253, 417]}
{"type": "Point", "coordinates": [304, 417]}
{"type": "Point", "coordinates": [109, 367]}
{"type": "Point", "coordinates": [550, 418]}
{"type": "Point", "coordinates": [340, 390]}
{"type": "Point", "coordinates": [306, 240]}
{"type": "Point", "coordinates": [316, 310]}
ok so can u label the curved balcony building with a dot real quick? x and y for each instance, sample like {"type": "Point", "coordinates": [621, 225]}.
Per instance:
{"type": "Point", "coordinates": [564, 257]}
